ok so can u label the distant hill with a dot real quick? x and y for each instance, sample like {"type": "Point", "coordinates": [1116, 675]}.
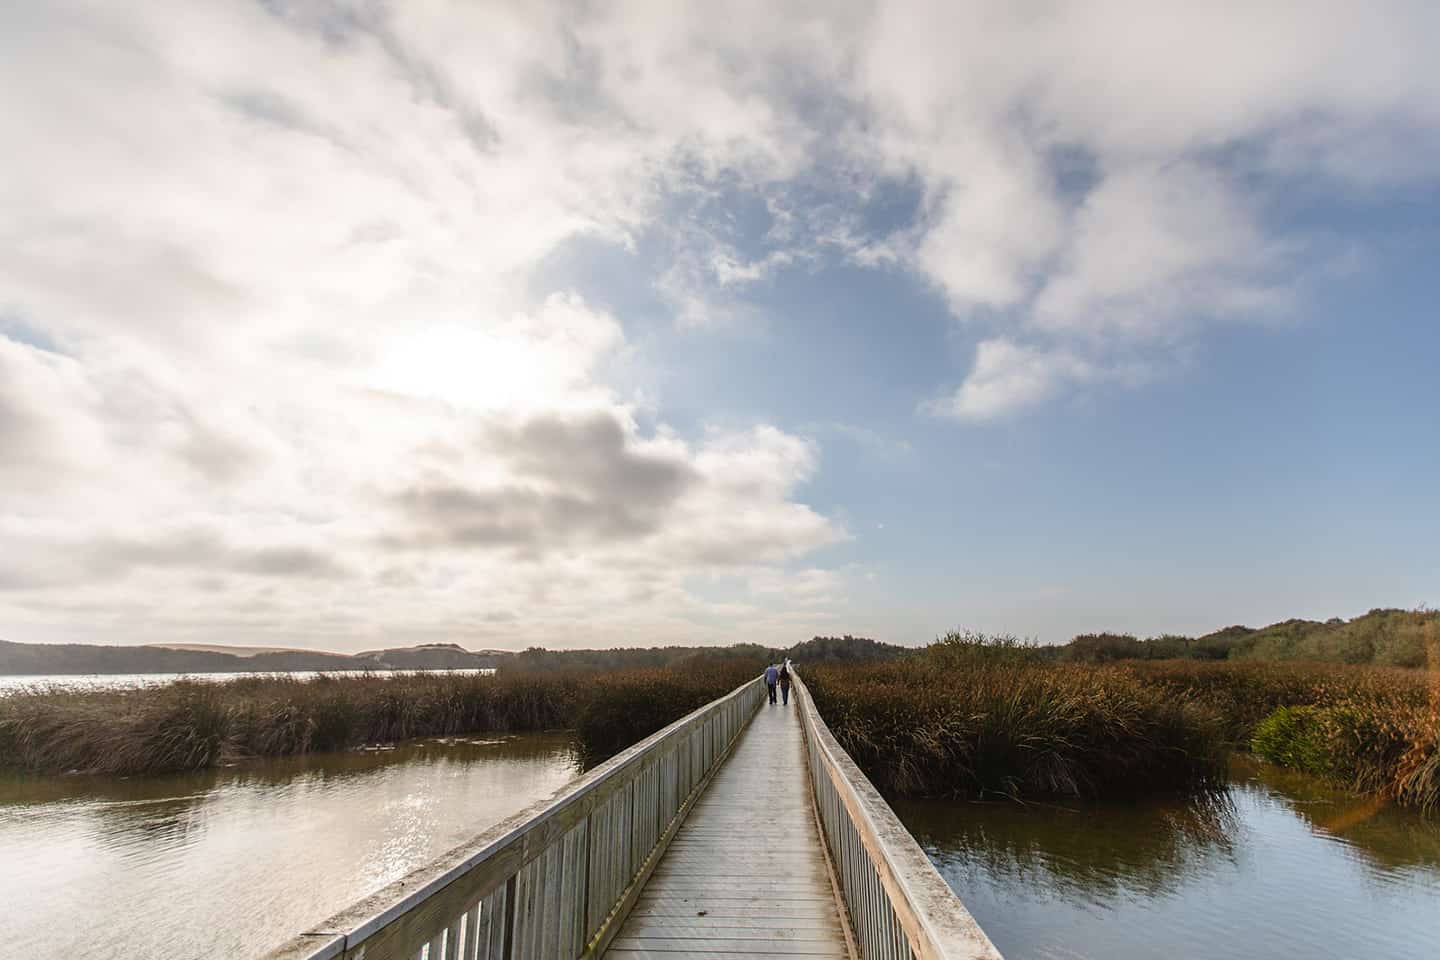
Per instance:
{"type": "Point", "coordinates": [432, 656]}
{"type": "Point", "coordinates": [1382, 637]}
{"type": "Point", "coordinates": [72, 658]}
{"type": "Point", "coordinates": [815, 650]}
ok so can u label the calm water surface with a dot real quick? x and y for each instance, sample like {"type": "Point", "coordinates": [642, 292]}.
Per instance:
{"type": "Point", "coordinates": [230, 863]}
{"type": "Point", "coordinates": [1279, 867]}
{"type": "Point", "coordinates": [19, 683]}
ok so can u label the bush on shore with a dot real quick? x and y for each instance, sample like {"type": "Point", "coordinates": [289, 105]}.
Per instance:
{"type": "Point", "coordinates": [1382, 637]}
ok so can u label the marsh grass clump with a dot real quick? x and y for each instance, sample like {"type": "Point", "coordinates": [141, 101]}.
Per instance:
{"type": "Point", "coordinates": [626, 707]}
{"type": "Point", "coordinates": [1002, 723]}
{"type": "Point", "coordinates": [116, 732]}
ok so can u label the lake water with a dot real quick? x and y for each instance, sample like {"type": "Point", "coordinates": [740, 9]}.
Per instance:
{"type": "Point", "coordinates": [14, 683]}
{"type": "Point", "coordinates": [230, 863]}
{"type": "Point", "coordinates": [1280, 866]}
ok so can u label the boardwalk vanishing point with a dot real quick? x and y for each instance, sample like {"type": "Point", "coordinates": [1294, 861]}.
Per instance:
{"type": "Point", "coordinates": [741, 830]}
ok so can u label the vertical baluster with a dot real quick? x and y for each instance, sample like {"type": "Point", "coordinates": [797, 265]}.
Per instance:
{"type": "Point", "coordinates": [877, 905]}
{"type": "Point", "coordinates": [639, 816]}
{"type": "Point", "coordinates": [697, 756]}
{"type": "Point", "coordinates": [548, 917]}
{"type": "Point", "coordinates": [517, 913]}
{"type": "Point", "coordinates": [633, 838]}
{"type": "Point", "coordinates": [505, 919]}
{"type": "Point", "coordinates": [571, 901]}
{"type": "Point", "coordinates": [469, 940]}
{"type": "Point", "coordinates": [619, 847]}
{"type": "Point", "coordinates": [653, 805]}
{"type": "Point", "coordinates": [452, 939]}
{"type": "Point", "coordinates": [672, 784]}
{"type": "Point", "coordinates": [599, 865]}
{"type": "Point", "coordinates": [484, 923]}
{"type": "Point", "coordinates": [534, 903]}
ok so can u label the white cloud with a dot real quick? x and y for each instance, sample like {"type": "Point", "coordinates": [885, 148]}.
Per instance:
{"type": "Point", "coordinates": [1152, 248]}
{"type": "Point", "coordinates": [1008, 377]}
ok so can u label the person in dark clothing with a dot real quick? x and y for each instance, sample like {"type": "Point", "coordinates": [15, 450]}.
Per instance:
{"type": "Point", "coordinates": [785, 682]}
{"type": "Point", "coordinates": [771, 677]}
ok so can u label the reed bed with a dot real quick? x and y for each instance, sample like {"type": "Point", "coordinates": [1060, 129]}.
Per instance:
{"type": "Point", "coordinates": [974, 717]}
{"type": "Point", "coordinates": [190, 725]}
{"type": "Point", "coordinates": [1373, 729]}
{"type": "Point", "coordinates": [924, 728]}
{"type": "Point", "coordinates": [625, 707]}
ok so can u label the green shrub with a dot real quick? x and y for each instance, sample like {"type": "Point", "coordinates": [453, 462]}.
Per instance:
{"type": "Point", "coordinates": [1293, 737]}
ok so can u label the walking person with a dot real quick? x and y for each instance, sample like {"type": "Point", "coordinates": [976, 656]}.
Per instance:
{"type": "Point", "coordinates": [772, 676]}
{"type": "Point", "coordinates": [785, 682]}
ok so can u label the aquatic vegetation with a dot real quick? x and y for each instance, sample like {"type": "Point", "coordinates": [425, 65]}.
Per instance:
{"type": "Point", "coordinates": [625, 707]}
{"type": "Point", "coordinates": [1386, 746]}
{"type": "Point", "coordinates": [942, 725]}
{"type": "Point", "coordinates": [973, 717]}
{"type": "Point", "coordinates": [191, 725]}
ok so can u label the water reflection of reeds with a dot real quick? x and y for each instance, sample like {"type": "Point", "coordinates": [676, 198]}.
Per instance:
{"type": "Point", "coordinates": [1092, 852]}
{"type": "Point", "coordinates": [1383, 837]}
{"type": "Point", "coordinates": [1100, 853]}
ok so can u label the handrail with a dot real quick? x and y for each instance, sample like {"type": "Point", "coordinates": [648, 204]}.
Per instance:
{"type": "Point", "coordinates": [556, 879]}
{"type": "Point", "coordinates": [900, 907]}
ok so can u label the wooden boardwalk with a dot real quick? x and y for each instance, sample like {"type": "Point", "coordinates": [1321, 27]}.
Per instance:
{"type": "Point", "coordinates": [745, 875]}
{"type": "Point", "coordinates": [706, 839]}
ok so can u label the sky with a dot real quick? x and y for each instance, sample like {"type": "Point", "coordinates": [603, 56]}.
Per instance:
{"type": "Point", "coordinates": [333, 324]}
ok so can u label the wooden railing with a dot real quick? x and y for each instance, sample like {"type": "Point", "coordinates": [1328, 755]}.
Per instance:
{"type": "Point", "coordinates": [899, 906]}
{"type": "Point", "coordinates": [555, 880]}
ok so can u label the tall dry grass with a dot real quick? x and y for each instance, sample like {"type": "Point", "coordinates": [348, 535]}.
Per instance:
{"type": "Point", "coordinates": [625, 707]}
{"type": "Point", "coordinates": [189, 725]}
{"type": "Point", "coordinates": [966, 720]}
{"type": "Point", "coordinates": [1374, 729]}
{"type": "Point", "coordinates": [972, 716]}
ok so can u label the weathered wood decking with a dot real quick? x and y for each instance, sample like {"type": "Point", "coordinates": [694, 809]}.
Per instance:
{"type": "Point", "coordinates": [745, 874]}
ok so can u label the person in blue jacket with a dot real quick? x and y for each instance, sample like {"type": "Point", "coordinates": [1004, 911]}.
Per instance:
{"type": "Point", "coordinates": [772, 677]}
